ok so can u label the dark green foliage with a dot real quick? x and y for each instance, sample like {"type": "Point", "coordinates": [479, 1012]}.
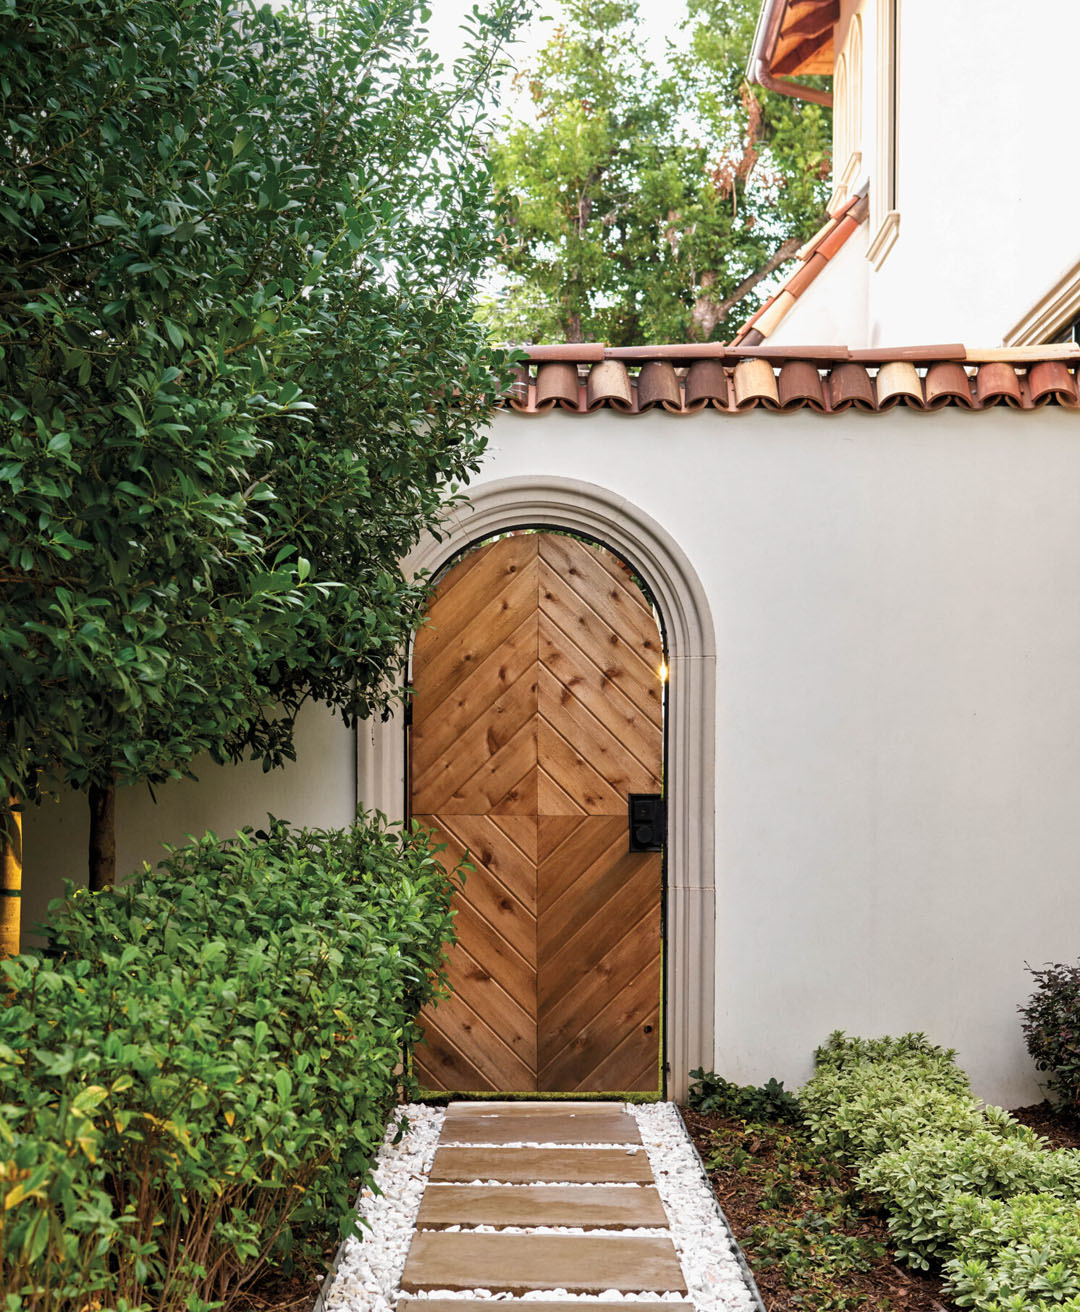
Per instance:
{"type": "Point", "coordinates": [1052, 1030]}
{"type": "Point", "coordinates": [769, 1102]}
{"type": "Point", "coordinates": [195, 1073]}
{"type": "Point", "coordinates": [638, 201]}
{"type": "Point", "coordinates": [238, 367]}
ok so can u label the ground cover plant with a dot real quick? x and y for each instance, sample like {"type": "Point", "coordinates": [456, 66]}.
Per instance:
{"type": "Point", "coordinates": [195, 1071]}
{"type": "Point", "coordinates": [968, 1189]}
{"type": "Point", "coordinates": [812, 1239]}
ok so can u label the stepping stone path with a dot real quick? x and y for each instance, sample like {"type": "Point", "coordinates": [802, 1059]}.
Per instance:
{"type": "Point", "coordinates": [478, 1143]}
{"type": "Point", "coordinates": [534, 1206]}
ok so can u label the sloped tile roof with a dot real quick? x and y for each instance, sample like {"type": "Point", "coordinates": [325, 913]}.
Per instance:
{"type": "Point", "coordinates": [685, 379]}
{"type": "Point", "coordinates": [813, 258]}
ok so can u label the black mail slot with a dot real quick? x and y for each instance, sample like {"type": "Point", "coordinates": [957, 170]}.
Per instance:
{"type": "Point", "coordinates": [648, 822]}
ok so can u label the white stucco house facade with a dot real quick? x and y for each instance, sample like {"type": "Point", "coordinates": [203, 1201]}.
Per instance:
{"type": "Point", "coordinates": [865, 551]}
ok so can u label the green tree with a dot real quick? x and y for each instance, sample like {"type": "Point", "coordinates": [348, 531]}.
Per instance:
{"type": "Point", "coordinates": [647, 206]}
{"type": "Point", "coordinates": [238, 369]}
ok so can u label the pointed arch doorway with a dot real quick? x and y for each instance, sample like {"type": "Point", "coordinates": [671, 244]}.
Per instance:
{"type": "Point", "coordinates": [538, 711]}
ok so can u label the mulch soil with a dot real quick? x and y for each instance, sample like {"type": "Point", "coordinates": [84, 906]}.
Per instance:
{"type": "Point", "coordinates": [885, 1288]}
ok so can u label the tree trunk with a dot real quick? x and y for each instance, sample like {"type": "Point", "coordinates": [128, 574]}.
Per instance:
{"type": "Point", "coordinates": [102, 836]}
{"type": "Point", "coordinates": [707, 312]}
{"type": "Point", "coordinates": [11, 861]}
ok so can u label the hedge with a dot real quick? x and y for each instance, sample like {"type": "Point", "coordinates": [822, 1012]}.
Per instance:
{"type": "Point", "coordinates": [966, 1186]}
{"type": "Point", "coordinates": [196, 1071]}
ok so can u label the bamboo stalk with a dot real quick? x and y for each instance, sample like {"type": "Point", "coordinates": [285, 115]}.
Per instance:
{"type": "Point", "coordinates": [11, 865]}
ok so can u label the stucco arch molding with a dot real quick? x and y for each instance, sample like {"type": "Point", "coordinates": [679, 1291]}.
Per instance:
{"type": "Point", "coordinates": [586, 508]}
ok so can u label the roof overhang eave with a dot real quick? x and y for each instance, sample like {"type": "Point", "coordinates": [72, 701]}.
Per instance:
{"type": "Point", "coordinates": [769, 20]}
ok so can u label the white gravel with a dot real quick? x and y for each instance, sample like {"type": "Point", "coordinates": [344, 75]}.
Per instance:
{"type": "Point", "coordinates": [370, 1264]}
{"type": "Point", "coordinates": [713, 1273]}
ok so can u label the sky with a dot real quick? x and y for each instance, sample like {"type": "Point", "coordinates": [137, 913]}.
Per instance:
{"type": "Point", "coordinates": [659, 19]}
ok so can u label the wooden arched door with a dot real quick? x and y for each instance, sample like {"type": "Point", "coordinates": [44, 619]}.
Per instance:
{"type": "Point", "coordinates": [538, 708]}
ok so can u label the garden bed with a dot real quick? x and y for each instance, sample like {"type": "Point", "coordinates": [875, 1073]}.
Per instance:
{"type": "Point", "coordinates": [813, 1244]}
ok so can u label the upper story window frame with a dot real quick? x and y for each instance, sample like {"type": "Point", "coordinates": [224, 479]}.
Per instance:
{"type": "Point", "coordinates": [848, 117]}
{"type": "Point", "coordinates": [884, 181]}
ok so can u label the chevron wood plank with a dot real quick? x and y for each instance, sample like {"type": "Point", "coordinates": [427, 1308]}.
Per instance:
{"type": "Point", "coordinates": [553, 800]}
{"type": "Point", "coordinates": [611, 759]}
{"type": "Point", "coordinates": [517, 1263]}
{"type": "Point", "coordinates": [491, 846]}
{"type": "Point", "coordinates": [569, 558]}
{"type": "Point", "coordinates": [616, 1070]}
{"type": "Point", "coordinates": [601, 1207]}
{"type": "Point", "coordinates": [613, 1044]}
{"type": "Point", "coordinates": [472, 582]}
{"type": "Point", "coordinates": [554, 830]}
{"type": "Point", "coordinates": [439, 1064]}
{"type": "Point", "coordinates": [437, 725]}
{"type": "Point", "coordinates": [627, 901]}
{"type": "Point", "coordinates": [587, 988]}
{"type": "Point", "coordinates": [493, 624]}
{"type": "Point", "coordinates": [607, 635]}
{"type": "Point", "coordinates": [520, 799]}
{"type": "Point", "coordinates": [486, 1040]}
{"type": "Point", "coordinates": [446, 780]}
{"type": "Point", "coordinates": [538, 707]}
{"type": "Point", "coordinates": [640, 731]}
{"type": "Point", "coordinates": [596, 843]}
{"type": "Point", "coordinates": [600, 892]}
{"type": "Point", "coordinates": [541, 1165]}
{"type": "Point", "coordinates": [574, 775]}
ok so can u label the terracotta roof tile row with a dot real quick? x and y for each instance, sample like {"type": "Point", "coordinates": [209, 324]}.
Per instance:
{"type": "Point", "coordinates": [681, 381]}
{"type": "Point", "coordinates": [813, 259]}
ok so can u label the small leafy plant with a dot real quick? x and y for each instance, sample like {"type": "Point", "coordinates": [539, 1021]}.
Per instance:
{"type": "Point", "coordinates": [711, 1093]}
{"type": "Point", "coordinates": [1052, 1030]}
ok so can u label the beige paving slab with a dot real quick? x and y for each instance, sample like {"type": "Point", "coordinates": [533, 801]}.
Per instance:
{"type": "Point", "coordinates": [526, 1107]}
{"type": "Point", "coordinates": [461, 1164]}
{"type": "Point", "coordinates": [600, 1207]}
{"type": "Point", "coordinates": [583, 1264]}
{"type": "Point", "coordinates": [531, 1305]}
{"type": "Point", "coordinates": [543, 1123]}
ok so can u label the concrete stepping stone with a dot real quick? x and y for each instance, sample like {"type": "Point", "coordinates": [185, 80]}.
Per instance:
{"type": "Point", "coordinates": [533, 1305]}
{"type": "Point", "coordinates": [538, 1123]}
{"type": "Point", "coordinates": [596, 1207]}
{"type": "Point", "coordinates": [515, 1264]}
{"type": "Point", "coordinates": [461, 1165]}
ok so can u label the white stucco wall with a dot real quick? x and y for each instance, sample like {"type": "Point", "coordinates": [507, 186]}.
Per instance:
{"type": "Point", "coordinates": [988, 186]}
{"type": "Point", "coordinates": [897, 811]}
{"type": "Point", "coordinates": [319, 790]}
{"type": "Point", "coordinates": [832, 312]}
{"type": "Point", "coordinates": [897, 601]}
{"type": "Point", "coordinates": [987, 181]}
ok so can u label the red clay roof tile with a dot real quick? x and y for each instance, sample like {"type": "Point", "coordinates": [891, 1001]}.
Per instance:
{"type": "Point", "coordinates": [813, 258]}
{"type": "Point", "coordinates": [685, 378]}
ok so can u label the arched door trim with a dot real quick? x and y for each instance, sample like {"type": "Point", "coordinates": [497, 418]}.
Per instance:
{"type": "Point", "coordinates": [571, 504]}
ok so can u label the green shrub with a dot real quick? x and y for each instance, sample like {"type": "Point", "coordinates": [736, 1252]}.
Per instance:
{"type": "Point", "coordinates": [1009, 1252]}
{"type": "Point", "coordinates": [1052, 1030]}
{"type": "Point", "coordinates": [769, 1102]}
{"type": "Point", "coordinates": [963, 1185]}
{"type": "Point", "coordinates": [196, 1071]}
{"type": "Point", "coordinates": [919, 1183]}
